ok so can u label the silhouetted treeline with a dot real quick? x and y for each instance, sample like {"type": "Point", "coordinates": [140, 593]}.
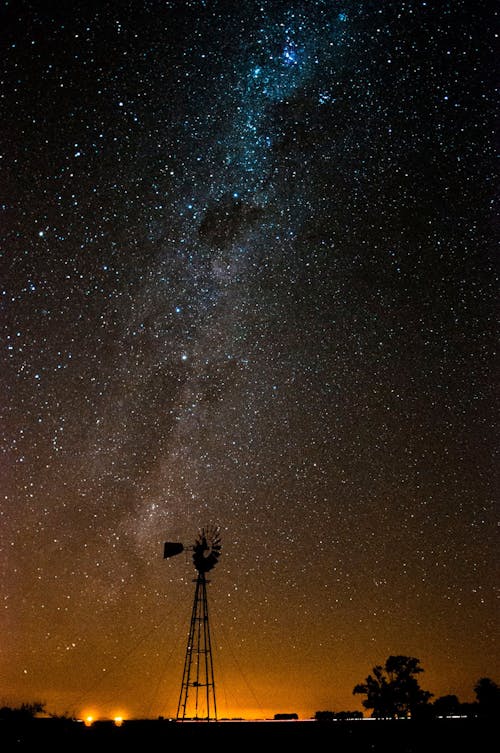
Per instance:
{"type": "Point", "coordinates": [329, 716]}
{"type": "Point", "coordinates": [23, 712]}
{"type": "Point", "coordinates": [393, 692]}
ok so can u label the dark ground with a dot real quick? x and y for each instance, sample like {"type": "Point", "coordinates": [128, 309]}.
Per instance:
{"type": "Point", "coordinates": [404, 736]}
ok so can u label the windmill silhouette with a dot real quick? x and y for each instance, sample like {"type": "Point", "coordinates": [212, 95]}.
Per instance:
{"type": "Point", "coordinates": [197, 696]}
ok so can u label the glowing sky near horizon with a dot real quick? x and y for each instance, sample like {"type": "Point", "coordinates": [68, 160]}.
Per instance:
{"type": "Point", "coordinates": [247, 278]}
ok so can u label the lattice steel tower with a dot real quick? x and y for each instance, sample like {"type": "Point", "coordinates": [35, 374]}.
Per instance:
{"type": "Point", "coordinates": [197, 696]}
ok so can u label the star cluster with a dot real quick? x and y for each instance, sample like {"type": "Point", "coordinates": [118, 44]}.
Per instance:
{"type": "Point", "coordinates": [247, 278]}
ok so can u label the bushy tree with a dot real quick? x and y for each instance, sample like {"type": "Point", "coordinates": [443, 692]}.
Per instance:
{"type": "Point", "coordinates": [446, 705]}
{"type": "Point", "coordinates": [393, 690]}
{"type": "Point", "coordinates": [488, 697]}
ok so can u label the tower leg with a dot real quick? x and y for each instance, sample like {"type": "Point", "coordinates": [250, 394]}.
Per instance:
{"type": "Point", "coordinates": [198, 673]}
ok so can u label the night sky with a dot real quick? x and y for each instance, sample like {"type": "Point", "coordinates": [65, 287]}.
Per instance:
{"type": "Point", "coordinates": [247, 278]}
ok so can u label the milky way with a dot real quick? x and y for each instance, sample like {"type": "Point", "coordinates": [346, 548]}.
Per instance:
{"type": "Point", "coordinates": [247, 278]}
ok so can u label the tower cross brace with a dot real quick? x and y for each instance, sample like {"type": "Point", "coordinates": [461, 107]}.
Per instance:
{"type": "Point", "coordinates": [198, 673]}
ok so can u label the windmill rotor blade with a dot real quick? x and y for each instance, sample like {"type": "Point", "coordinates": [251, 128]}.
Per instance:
{"type": "Point", "coordinates": [207, 548]}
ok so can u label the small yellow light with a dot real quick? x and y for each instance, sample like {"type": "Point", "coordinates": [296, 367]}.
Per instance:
{"type": "Point", "coordinates": [118, 720]}
{"type": "Point", "coordinates": [89, 720]}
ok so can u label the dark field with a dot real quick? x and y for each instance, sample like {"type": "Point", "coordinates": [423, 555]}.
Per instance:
{"type": "Point", "coordinates": [433, 736]}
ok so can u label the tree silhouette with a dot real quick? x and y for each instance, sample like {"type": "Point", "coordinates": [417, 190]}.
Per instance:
{"type": "Point", "coordinates": [393, 689]}
{"type": "Point", "coordinates": [23, 712]}
{"type": "Point", "coordinates": [447, 705]}
{"type": "Point", "coordinates": [488, 697]}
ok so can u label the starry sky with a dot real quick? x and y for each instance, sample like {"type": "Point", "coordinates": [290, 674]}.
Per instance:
{"type": "Point", "coordinates": [247, 278]}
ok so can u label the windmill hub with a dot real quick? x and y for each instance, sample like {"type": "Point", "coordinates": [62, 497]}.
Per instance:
{"type": "Point", "coordinates": [207, 548]}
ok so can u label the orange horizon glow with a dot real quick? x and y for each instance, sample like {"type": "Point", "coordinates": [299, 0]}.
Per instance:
{"type": "Point", "coordinates": [248, 714]}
